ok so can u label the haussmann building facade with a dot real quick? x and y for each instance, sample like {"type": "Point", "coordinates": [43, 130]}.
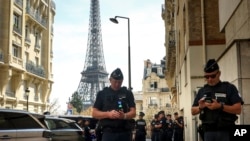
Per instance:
{"type": "Point", "coordinates": [26, 54]}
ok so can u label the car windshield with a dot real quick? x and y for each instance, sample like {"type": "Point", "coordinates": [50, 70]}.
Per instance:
{"type": "Point", "coordinates": [60, 124]}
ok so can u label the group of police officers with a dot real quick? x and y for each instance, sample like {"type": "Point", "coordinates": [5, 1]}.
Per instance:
{"type": "Point", "coordinates": [217, 102]}
{"type": "Point", "coordinates": [114, 107]}
{"type": "Point", "coordinates": [164, 128]}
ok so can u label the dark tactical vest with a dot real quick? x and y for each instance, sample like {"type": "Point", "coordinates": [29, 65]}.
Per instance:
{"type": "Point", "coordinates": [140, 125]}
{"type": "Point", "coordinates": [116, 101]}
{"type": "Point", "coordinates": [217, 119]}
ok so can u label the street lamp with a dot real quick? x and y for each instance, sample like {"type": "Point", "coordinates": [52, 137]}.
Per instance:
{"type": "Point", "coordinates": [114, 20]}
{"type": "Point", "coordinates": [27, 92]}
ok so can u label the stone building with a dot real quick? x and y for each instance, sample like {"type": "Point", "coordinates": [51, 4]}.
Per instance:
{"type": "Point", "coordinates": [199, 30]}
{"type": "Point", "coordinates": [156, 95]}
{"type": "Point", "coordinates": [26, 53]}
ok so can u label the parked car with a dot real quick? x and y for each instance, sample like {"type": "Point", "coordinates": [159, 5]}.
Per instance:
{"type": "Point", "coordinates": [61, 128]}
{"type": "Point", "coordinates": [93, 121]}
{"type": "Point", "coordinates": [22, 126]}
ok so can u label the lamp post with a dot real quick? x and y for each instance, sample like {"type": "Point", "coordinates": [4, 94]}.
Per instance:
{"type": "Point", "coordinates": [114, 20]}
{"type": "Point", "coordinates": [27, 92]}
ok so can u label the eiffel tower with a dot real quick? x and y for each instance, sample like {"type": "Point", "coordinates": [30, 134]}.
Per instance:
{"type": "Point", "coordinates": [94, 75]}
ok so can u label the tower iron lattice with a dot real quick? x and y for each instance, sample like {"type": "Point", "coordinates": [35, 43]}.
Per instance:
{"type": "Point", "coordinates": [94, 75]}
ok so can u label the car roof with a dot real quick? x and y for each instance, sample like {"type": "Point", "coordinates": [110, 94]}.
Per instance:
{"type": "Point", "coordinates": [59, 118]}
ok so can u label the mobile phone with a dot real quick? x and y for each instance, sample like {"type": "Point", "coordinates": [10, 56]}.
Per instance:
{"type": "Point", "coordinates": [208, 100]}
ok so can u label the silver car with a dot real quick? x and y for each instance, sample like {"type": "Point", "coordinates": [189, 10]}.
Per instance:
{"type": "Point", "coordinates": [18, 125]}
{"type": "Point", "coordinates": [62, 129]}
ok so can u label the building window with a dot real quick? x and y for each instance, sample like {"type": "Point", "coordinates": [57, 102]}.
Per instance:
{"type": "Point", "coordinates": [159, 71]}
{"type": "Point", "coordinates": [15, 51]}
{"type": "Point", "coordinates": [153, 85]}
{"type": "Point", "coordinates": [27, 34]}
{"type": "Point", "coordinates": [17, 23]}
{"type": "Point", "coordinates": [37, 44]}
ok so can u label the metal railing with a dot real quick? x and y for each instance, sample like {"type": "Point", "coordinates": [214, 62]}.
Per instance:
{"type": "Point", "coordinates": [34, 14]}
{"type": "Point", "coordinates": [33, 68]}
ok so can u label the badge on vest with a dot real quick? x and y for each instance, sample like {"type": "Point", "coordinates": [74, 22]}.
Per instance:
{"type": "Point", "coordinates": [220, 97]}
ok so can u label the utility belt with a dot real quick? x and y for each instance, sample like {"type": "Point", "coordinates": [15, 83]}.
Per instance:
{"type": "Point", "coordinates": [115, 130]}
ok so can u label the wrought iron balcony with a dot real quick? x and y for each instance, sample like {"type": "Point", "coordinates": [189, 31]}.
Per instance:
{"type": "Point", "coordinates": [10, 94]}
{"type": "Point", "coordinates": [19, 3]}
{"type": "Point", "coordinates": [53, 5]}
{"type": "Point", "coordinates": [152, 105]}
{"type": "Point", "coordinates": [36, 16]}
{"type": "Point", "coordinates": [33, 68]}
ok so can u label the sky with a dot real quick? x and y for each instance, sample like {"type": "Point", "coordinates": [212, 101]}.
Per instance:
{"type": "Point", "coordinates": [71, 25]}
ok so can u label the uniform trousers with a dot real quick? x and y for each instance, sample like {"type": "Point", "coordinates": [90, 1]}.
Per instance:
{"type": "Point", "coordinates": [117, 136]}
{"type": "Point", "coordinates": [216, 136]}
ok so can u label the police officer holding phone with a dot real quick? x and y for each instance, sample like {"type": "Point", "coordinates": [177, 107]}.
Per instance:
{"type": "Point", "coordinates": [218, 103]}
{"type": "Point", "coordinates": [115, 107]}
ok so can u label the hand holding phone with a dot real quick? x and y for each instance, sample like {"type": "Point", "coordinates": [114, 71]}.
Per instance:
{"type": "Point", "coordinates": [208, 100]}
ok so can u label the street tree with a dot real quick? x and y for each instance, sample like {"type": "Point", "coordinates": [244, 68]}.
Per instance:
{"type": "Point", "coordinates": [76, 102]}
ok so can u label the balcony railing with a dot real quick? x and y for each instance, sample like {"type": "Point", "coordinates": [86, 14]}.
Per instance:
{"type": "Point", "coordinates": [19, 3]}
{"type": "Point", "coordinates": [53, 5]}
{"type": "Point", "coordinates": [33, 68]}
{"type": "Point", "coordinates": [10, 94]}
{"type": "Point", "coordinates": [152, 105]}
{"type": "Point", "coordinates": [34, 14]}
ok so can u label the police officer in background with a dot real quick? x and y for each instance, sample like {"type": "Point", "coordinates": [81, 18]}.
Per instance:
{"type": "Point", "coordinates": [140, 127]}
{"type": "Point", "coordinates": [217, 103]}
{"type": "Point", "coordinates": [178, 127]}
{"type": "Point", "coordinates": [169, 130]}
{"type": "Point", "coordinates": [155, 128]}
{"type": "Point", "coordinates": [162, 125]}
{"type": "Point", "coordinates": [115, 107]}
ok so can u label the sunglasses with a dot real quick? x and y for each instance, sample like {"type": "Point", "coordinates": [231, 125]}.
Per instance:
{"type": "Point", "coordinates": [211, 76]}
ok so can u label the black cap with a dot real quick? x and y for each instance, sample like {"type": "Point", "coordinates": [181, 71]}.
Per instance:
{"type": "Point", "coordinates": [117, 74]}
{"type": "Point", "coordinates": [211, 66]}
{"type": "Point", "coordinates": [141, 114]}
{"type": "Point", "coordinates": [161, 112]}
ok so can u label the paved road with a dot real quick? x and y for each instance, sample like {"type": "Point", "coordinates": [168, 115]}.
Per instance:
{"type": "Point", "coordinates": [148, 139]}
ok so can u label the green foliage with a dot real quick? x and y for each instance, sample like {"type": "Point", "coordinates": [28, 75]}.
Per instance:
{"type": "Point", "coordinates": [76, 101]}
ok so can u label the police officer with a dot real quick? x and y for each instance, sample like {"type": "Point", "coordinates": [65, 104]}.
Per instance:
{"type": "Point", "coordinates": [162, 125]}
{"type": "Point", "coordinates": [155, 128]}
{"type": "Point", "coordinates": [169, 130]}
{"type": "Point", "coordinates": [140, 127]}
{"type": "Point", "coordinates": [178, 126]}
{"type": "Point", "coordinates": [115, 107]}
{"type": "Point", "coordinates": [217, 103]}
